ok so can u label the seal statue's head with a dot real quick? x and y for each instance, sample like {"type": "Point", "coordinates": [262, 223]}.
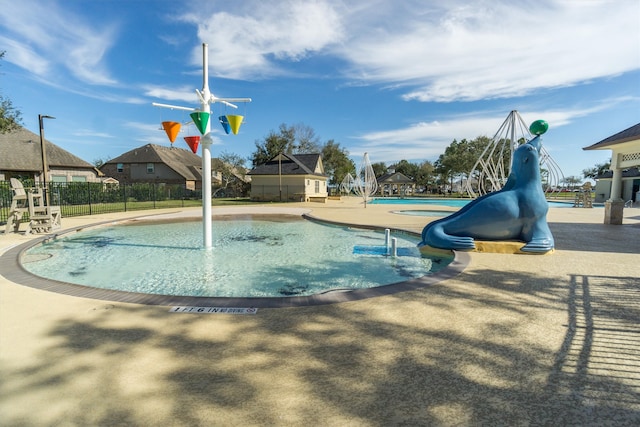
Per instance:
{"type": "Point", "coordinates": [526, 161]}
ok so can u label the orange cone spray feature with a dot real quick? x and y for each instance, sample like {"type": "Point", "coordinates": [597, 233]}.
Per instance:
{"type": "Point", "coordinates": [192, 142]}
{"type": "Point", "coordinates": [172, 129]}
{"type": "Point", "coordinates": [234, 123]}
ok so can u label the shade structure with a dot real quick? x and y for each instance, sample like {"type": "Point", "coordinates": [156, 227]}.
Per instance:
{"type": "Point", "coordinates": [200, 119]}
{"type": "Point", "coordinates": [172, 129]}
{"type": "Point", "coordinates": [225, 124]}
{"type": "Point", "coordinates": [192, 142]}
{"type": "Point", "coordinates": [235, 122]}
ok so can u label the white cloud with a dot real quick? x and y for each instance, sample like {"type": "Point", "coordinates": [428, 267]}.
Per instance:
{"type": "Point", "coordinates": [91, 134]}
{"type": "Point", "coordinates": [23, 56]}
{"type": "Point", "coordinates": [252, 41]}
{"type": "Point", "coordinates": [427, 140]}
{"type": "Point", "coordinates": [184, 93]}
{"type": "Point", "coordinates": [494, 49]}
{"type": "Point", "coordinates": [48, 37]}
{"type": "Point", "coordinates": [439, 51]}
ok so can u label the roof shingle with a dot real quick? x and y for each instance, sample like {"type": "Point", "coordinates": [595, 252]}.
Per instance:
{"type": "Point", "coordinates": [184, 162]}
{"type": "Point", "coordinates": [20, 151]}
{"type": "Point", "coordinates": [299, 164]}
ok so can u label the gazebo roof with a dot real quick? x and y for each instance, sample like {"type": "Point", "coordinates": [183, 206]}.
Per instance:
{"type": "Point", "coordinates": [629, 134]}
{"type": "Point", "coordinates": [395, 178]}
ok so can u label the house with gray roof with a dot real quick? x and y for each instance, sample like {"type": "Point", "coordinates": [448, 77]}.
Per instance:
{"type": "Point", "coordinates": [289, 177]}
{"type": "Point", "coordinates": [153, 163]}
{"type": "Point", "coordinates": [21, 158]}
{"type": "Point", "coordinates": [623, 186]}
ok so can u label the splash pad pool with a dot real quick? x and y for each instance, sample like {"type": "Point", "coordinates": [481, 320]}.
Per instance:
{"type": "Point", "coordinates": [287, 261]}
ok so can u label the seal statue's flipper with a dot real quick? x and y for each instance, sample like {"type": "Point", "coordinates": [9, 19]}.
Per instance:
{"type": "Point", "coordinates": [540, 239]}
{"type": "Point", "coordinates": [436, 237]}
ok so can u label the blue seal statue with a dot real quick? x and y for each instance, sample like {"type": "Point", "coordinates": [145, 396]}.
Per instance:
{"type": "Point", "coordinates": [517, 212]}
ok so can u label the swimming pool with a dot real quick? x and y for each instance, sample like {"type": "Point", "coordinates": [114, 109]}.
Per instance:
{"type": "Point", "coordinates": [252, 257]}
{"type": "Point", "coordinates": [419, 212]}
{"type": "Point", "coordinates": [454, 203]}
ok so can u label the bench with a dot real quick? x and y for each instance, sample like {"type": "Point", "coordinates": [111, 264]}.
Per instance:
{"type": "Point", "coordinates": [320, 199]}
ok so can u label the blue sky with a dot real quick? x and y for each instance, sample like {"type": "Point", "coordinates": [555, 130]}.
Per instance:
{"type": "Point", "coordinates": [397, 79]}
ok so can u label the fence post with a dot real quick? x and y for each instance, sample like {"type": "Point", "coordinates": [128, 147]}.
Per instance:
{"type": "Point", "coordinates": [124, 195]}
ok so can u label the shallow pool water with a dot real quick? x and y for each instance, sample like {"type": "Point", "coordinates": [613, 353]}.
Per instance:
{"type": "Point", "coordinates": [418, 212]}
{"type": "Point", "coordinates": [455, 203]}
{"type": "Point", "coordinates": [251, 258]}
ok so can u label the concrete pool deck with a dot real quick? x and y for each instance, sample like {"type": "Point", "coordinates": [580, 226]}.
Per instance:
{"type": "Point", "coordinates": [512, 340]}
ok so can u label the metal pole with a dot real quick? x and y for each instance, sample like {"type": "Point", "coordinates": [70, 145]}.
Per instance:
{"type": "Point", "coordinates": [514, 143]}
{"type": "Point", "coordinates": [45, 165]}
{"type": "Point", "coordinates": [206, 153]}
{"type": "Point", "coordinates": [280, 174]}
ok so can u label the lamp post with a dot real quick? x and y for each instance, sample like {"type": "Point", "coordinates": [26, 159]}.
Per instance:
{"type": "Point", "coordinates": [280, 174]}
{"type": "Point", "coordinates": [45, 165]}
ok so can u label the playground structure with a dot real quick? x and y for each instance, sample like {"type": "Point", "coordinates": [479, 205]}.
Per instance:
{"type": "Point", "coordinates": [491, 170]}
{"type": "Point", "coordinates": [365, 184]}
{"type": "Point", "coordinates": [200, 117]}
{"type": "Point", "coordinates": [346, 186]}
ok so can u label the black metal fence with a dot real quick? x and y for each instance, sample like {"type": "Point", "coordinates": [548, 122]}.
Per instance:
{"type": "Point", "coordinates": [91, 198]}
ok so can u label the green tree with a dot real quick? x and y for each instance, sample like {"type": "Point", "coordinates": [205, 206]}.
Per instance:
{"type": "Point", "coordinates": [406, 168]}
{"type": "Point", "coordinates": [10, 117]}
{"type": "Point", "coordinates": [572, 181]}
{"type": "Point", "coordinates": [597, 170]}
{"type": "Point", "coordinates": [379, 169]}
{"type": "Point", "coordinates": [297, 139]}
{"type": "Point", "coordinates": [336, 162]}
{"type": "Point", "coordinates": [273, 144]}
{"type": "Point", "coordinates": [232, 171]}
{"type": "Point", "coordinates": [305, 140]}
{"type": "Point", "coordinates": [425, 175]}
{"type": "Point", "coordinates": [460, 157]}
{"type": "Point", "coordinates": [100, 161]}
{"type": "Point", "coordinates": [454, 162]}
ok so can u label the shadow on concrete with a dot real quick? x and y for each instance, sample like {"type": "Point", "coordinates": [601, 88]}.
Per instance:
{"type": "Point", "coordinates": [596, 237]}
{"type": "Point", "coordinates": [478, 360]}
{"type": "Point", "coordinates": [596, 377]}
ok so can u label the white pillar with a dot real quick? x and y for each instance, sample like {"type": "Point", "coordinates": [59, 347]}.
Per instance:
{"type": "Point", "coordinates": [206, 192]}
{"type": "Point", "coordinates": [387, 241]}
{"type": "Point", "coordinates": [616, 185]}
{"type": "Point", "coordinates": [206, 153]}
{"type": "Point", "coordinates": [614, 207]}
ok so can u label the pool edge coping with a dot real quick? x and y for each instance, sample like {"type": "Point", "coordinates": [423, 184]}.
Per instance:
{"type": "Point", "coordinates": [12, 269]}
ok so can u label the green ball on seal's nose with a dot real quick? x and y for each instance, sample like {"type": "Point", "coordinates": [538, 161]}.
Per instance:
{"type": "Point", "coordinates": [538, 127]}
